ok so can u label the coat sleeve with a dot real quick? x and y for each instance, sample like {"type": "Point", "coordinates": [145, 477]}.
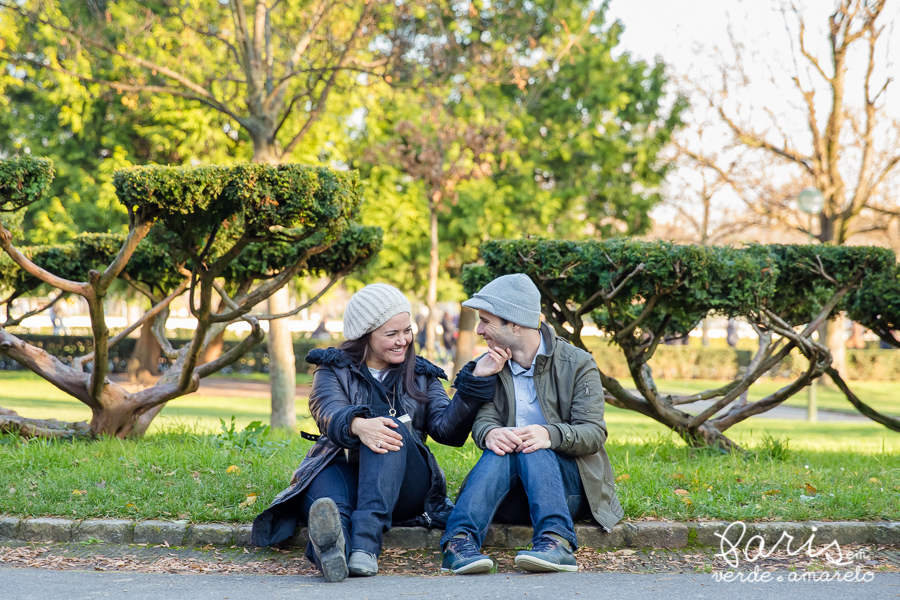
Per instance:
{"type": "Point", "coordinates": [488, 416]}
{"type": "Point", "coordinates": [450, 421]}
{"type": "Point", "coordinates": [332, 409]}
{"type": "Point", "coordinates": [585, 433]}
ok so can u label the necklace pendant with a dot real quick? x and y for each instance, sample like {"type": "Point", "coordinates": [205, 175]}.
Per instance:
{"type": "Point", "coordinates": [392, 412]}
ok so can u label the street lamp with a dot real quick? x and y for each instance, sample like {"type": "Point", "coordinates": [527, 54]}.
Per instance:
{"type": "Point", "coordinates": [811, 201]}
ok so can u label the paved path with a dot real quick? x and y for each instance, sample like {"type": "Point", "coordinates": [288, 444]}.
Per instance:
{"type": "Point", "coordinates": [39, 584]}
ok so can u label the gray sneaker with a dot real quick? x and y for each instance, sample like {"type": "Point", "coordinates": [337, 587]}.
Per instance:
{"type": "Point", "coordinates": [327, 539]}
{"type": "Point", "coordinates": [363, 564]}
{"type": "Point", "coordinates": [549, 554]}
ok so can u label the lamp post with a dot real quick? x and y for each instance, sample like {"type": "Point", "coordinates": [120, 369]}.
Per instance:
{"type": "Point", "coordinates": [811, 201]}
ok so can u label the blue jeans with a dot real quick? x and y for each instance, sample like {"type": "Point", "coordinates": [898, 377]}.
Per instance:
{"type": "Point", "coordinates": [372, 494]}
{"type": "Point", "coordinates": [551, 506]}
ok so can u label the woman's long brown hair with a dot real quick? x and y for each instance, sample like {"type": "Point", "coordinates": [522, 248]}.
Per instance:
{"type": "Point", "coordinates": [358, 350]}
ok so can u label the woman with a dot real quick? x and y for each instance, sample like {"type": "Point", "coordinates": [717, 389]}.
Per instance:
{"type": "Point", "coordinates": [375, 402]}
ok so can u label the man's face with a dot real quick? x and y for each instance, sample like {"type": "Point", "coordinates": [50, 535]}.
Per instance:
{"type": "Point", "coordinates": [494, 332]}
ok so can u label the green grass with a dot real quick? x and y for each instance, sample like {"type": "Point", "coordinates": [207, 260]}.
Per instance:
{"type": "Point", "coordinates": [180, 470]}
{"type": "Point", "coordinates": [33, 397]}
{"type": "Point", "coordinates": [883, 396]}
{"type": "Point", "coordinates": [302, 378]}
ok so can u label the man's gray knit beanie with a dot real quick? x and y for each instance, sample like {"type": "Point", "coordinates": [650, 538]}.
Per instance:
{"type": "Point", "coordinates": [512, 298]}
{"type": "Point", "coordinates": [371, 307]}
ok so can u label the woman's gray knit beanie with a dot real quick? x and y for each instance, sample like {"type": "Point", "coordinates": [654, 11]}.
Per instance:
{"type": "Point", "coordinates": [371, 307]}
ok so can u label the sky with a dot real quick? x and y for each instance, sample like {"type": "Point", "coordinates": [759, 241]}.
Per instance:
{"type": "Point", "coordinates": [693, 36]}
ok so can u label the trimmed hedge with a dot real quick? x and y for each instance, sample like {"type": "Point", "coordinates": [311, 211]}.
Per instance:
{"type": "Point", "coordinates": [698, 362]}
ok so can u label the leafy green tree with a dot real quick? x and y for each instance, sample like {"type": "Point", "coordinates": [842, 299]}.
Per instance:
{"type": "Point", "coordinates": [642, 294]}
{"type": "Point", "coordinates": [258, 225]}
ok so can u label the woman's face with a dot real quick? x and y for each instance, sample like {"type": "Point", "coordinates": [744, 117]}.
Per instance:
{"type": "Point", "coordinates": [388, 343]}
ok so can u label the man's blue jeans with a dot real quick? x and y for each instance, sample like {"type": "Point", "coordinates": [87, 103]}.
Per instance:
{"type": "Point", "coordinates": [492, 479]}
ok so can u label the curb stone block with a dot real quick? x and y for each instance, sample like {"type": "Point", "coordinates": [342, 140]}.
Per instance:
{"type": "Point", "coordinates": [406, 537]}
{"type": "Point", "coordinates": [202, 535]}
{"type": "Point", "coordinates": [706, 532]}
{"type": "Point", "coordinates": [111, 531]}
{"type": "Point", "coordinates": [842, 532]}
{"type": "Point", "coordinates": [886, 533]}
{"type": "Point", "coordinates": [159, 532]}
{"type": "Point", "coordinates": [301, 537]}
{"type": "Point", "coordinates": [9, 528]}
{"type": "Point", "coordinates": [518, 536]}
{"type": "Point", "coordinates": [772, 532]}
{"type": "Point", "coordinates": [591, 536]}
{"type": "Point", "coordinates": [652, 534]}
{"type": "Point", "coordinates": [433, 540]}
{"type": "Point", "coordinates": [242, 535]}
{"type": "Point", "coordinates": [497, 537]}
{"type": "Point", "coordinates": [47, 530]}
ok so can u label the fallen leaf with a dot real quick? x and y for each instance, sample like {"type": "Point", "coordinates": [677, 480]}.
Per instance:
{"type": "Point", "coordinates": [772, 492]}
{"type": "Point", "coordinates": [79, 492]}
{"type": "Point", "coordinates": [233, 470]}
{"type": "Point", "coordinates": [250, 501]}
{"type": "Point", "coordinates": [677, 476]}
{"type": "Point", "coordinates": [624, 552]}
{"type": "Point", "coordinates": [682, 492]}
{"type": "Point", "coordinates": [623, 477]}
{"type": "Point", "coordinates": [874, 480]}
{"type": "Point", "coordinates": [687, 501]}
{"type": "Point", "coordinates": [810, 490]}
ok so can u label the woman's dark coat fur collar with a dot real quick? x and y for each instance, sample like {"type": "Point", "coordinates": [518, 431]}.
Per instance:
{"type": "Point", "coordinates": [340, 359]}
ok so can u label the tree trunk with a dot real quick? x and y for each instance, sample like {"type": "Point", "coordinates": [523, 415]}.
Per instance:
{"type": "Point", "coordinates": [837, 345]}
{"type": "Point", "coordinates": [465, 345]}
{"type": "Point", "coordinates": [216, 346]}
{"type": "Point", "coordinates": [432, 281]}
{"type": "Point", "coordinates": [143, 365]}
{"type": "Point", "coordinates": [282, 370]}
{"type": "Point", "coordinates": [704, 340]}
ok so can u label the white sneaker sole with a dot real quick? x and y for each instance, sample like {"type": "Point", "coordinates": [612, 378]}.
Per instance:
{"type": "Point", "coordinates": [536, 565]}
{"type": "Point", "coordinates": [479, 566]}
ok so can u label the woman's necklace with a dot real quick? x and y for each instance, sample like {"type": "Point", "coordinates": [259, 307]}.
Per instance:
{"type": "Point", "coordinates": [393, 411]}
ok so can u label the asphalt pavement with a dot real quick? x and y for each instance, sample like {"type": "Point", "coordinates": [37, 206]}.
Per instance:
{"type": "Point", "coordinates": [43, 584]}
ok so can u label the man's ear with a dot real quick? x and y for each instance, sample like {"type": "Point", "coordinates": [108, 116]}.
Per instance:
{"type": "Point", "coordinates": [514, 327]}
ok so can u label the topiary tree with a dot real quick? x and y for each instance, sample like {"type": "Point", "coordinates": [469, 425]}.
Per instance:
{"type": "Point", "coordinates": [641, 294]}
{"type": "Point", "coordinates": [240, 233]}
{"type": "Point", "coordinates": [876, 305]}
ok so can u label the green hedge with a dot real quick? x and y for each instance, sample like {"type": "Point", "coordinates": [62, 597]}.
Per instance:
{"type": "Point", "coordinates": [67, 347]}
{"type": "Point", "coordinates": [698, 362]}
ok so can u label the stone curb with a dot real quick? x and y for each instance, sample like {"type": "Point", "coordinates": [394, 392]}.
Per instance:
{"type": "Point", "coordinates": [639, 534]}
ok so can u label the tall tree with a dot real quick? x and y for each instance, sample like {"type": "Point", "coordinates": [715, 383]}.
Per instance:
{"type": "Point", "coordinates": [848, 146]}
{"type": "Point", "coordinates": [241, 233]}
{"type": "Point", "coordinates": [268, 67]}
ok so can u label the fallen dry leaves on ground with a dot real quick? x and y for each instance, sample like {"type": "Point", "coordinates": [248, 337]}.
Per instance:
{"type": "Point", "coordinates": [395, 561]}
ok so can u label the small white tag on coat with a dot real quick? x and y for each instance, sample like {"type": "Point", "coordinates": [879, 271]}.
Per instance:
{"type": "Point", "coordinates": [404, 418]}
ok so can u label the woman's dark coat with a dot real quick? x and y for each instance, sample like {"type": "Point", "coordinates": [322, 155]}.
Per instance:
{"type": "Point", "coordinates": [340, 393]}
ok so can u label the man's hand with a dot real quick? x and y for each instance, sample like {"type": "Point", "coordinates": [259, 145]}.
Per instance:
{"type": "Point", "coordinates": [534, 437]}
{"type": "Point", "coordinates": [376, 434]}
{"type": "Point", "coordinates": [492, 362]}
{"type": "Point", "coordinates": [502, 441]}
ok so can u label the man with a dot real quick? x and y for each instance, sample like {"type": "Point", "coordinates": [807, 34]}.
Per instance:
{"type": "Point", "coordinates": [542, 437]}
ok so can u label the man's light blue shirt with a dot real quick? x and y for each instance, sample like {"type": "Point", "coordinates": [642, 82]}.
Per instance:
{"type": "Point", "coordinates": [528, 409]}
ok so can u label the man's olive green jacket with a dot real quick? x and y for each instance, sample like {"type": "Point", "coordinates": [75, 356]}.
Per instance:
{"type": "Point", "coordinates": [568, 388]}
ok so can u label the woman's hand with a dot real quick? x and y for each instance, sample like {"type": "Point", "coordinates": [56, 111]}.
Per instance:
{"type": "Point", "coordinates": [492, 362]}
{"type": "Point", "coordinates": [377, 434]}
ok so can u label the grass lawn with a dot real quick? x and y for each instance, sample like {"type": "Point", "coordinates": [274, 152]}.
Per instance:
{"type": "Point", "coordinates": [181, 471]}
{"type": "Point", "coordinates": [883, 396]}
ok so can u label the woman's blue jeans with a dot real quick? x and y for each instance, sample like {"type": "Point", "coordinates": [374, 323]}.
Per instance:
{"type": "Point", "coordinates": [373, 493]}
{"type": "Point", "coordinates": [550, 481]}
